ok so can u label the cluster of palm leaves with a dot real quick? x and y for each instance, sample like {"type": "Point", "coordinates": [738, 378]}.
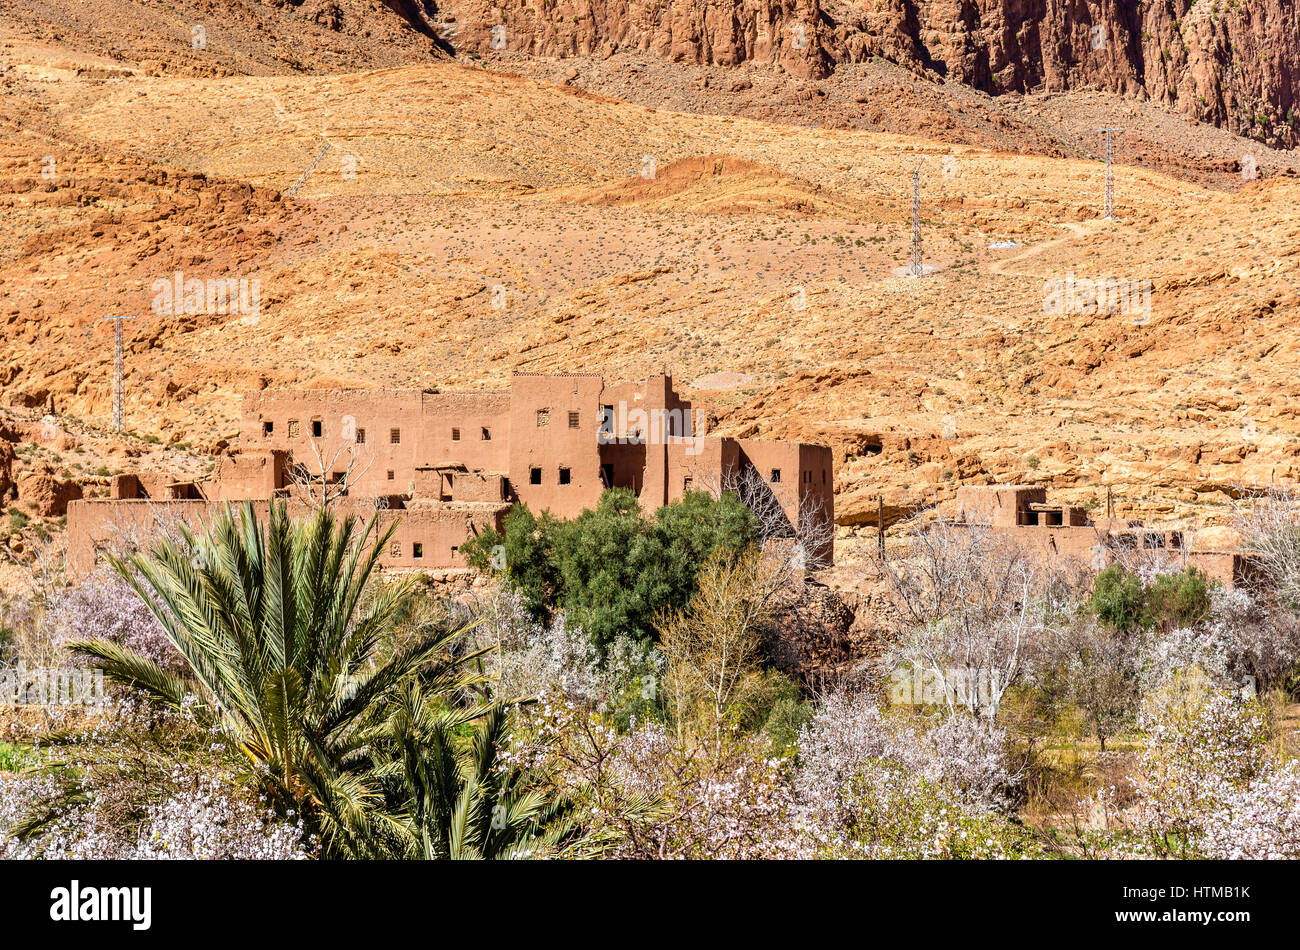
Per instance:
{"type": "Point", "coordinates": [381, 751]}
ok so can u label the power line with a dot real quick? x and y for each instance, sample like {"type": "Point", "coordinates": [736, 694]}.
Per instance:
{"type": "Point", "coordinates": [917, 268]}
{"type": "Point", "coordinates": [1110, 172]}
{"type": "Point", "coordinates": [117, 368]}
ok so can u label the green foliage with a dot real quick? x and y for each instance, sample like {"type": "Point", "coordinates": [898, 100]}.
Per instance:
{"type": "Point", "coordinates": [1177, 600]}
{"type": "Point", "coordinates": [283, 633]}
{"type": "Point", "coordinates": [1117, 598]}
{"type": "Point", "coordinates": [526, 552]}
{"type": "Point", "coordinates": [1125, 604]}
{"type": "Point", "coordinates": [18, 520]}
{"type": "Point", "coordinates": [786, 713]}
{"type": "Point", "coordinates": [612, 569]}
{"type": "Point", "coordinates": [14, 758]}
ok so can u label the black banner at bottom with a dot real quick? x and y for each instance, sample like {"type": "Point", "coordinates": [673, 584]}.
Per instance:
{"type": "Point", "coordinates": [136, 900]}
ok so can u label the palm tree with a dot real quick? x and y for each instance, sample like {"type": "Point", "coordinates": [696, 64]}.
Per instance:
{"type": "Point", "coordinates": [284, 635]}
{"type": "Point", "coordinates": [464, 802]}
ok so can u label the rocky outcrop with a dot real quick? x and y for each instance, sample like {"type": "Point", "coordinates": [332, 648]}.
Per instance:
{"type": "Point", "coordinates": [7, 458]}
{"type": "Point", "coordinates": [1234, 65]}
{"type": "Point", "coordinates": [46, 495]}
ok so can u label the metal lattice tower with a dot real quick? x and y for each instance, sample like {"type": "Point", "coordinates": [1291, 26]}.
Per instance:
{"type": "Point", "coordinates": [917, 269]}
{"type": "Point", "coordinates": [117, 368]}
{"type": "Point", "coordinates": [1110, 172]}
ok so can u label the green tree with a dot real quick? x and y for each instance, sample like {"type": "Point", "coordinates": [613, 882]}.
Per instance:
{"type": "Point", "coordinates": [1117, 599]}
{"type": "Point", "coordinates": [524, 550]}
{"type": "Point", "coordinates": [611, 569]}
{"type": "Point", "coordinates": [1125, 604]}
{"type": "Point", "coordinates": [1174, 600]}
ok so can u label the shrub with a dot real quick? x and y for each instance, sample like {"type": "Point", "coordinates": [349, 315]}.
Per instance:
{"type": "Point", "coordinates": [895, 813]}
{"type": "Point", "coordinates": [1117, 599]}
{"type": "Point", "coordinates": [1123, 602]}
{"type": "Point", "coordinates": [1177, 600]}
{"type": "Point", "coordinates": [611, 569]}
{"type": "Point", "coordinates": [104, 607]}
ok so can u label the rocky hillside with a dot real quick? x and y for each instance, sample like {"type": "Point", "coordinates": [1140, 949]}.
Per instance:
{"type": "Point", "coordinates": [758, 261]}
{"type": "Point", "coordinates": [1233, 64]}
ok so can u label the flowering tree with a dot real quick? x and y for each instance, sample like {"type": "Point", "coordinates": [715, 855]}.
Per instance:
{"type": "Point", "coordinates": [524, 657]}
{"type": "Point", "coordinates": [140, 784]}
{"type": "Point", "coordinates": [651, 793]}
{"type": "Point", "coordinates": [104, 607]}
{"type": "Point", "coordinates": [973, 606]}
{"type": "Point", "coordinates": [1258, 822]}
{"type": "Point", "coordinates": [856, 763]}
{"type": "Point", "coordinates": [1205, 784]}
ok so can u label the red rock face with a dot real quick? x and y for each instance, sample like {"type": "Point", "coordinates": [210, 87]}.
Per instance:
{"type": "Point", "coordinates": [1237, 67]}
{"type": "Point", "coordinates": [46, 495]}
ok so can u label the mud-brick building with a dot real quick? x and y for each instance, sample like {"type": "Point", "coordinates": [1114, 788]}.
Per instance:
{"type": "Point", "coordinates": [446, 465]}
{"type": "Point", "coordinates": [1062, 533]}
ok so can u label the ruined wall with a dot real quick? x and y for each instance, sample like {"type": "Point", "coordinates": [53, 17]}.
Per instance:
{"type": "Point", "coordinates": [94, 524]}
{"type": "Point", "coordinates": [996, 504]}
{"type": "Point", "coordinates": [248, 475]}
{"type": "Point", "coordinates": [430, 537]}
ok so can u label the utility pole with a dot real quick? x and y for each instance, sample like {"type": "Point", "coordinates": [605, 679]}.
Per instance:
{"type": "Point", "coordinates": [1110, 172]}
{"type": "Point", "coordinates": [117, 368]}
{"type": "Point", "coordinates": [917, 269]}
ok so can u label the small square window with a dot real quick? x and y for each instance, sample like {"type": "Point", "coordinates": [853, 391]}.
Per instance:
{"type": "Point", "coordinates": [686, 483]}
{"type": "Point", "coordinates": [574, 418]}
{"type": "Point", "coordinates": [455, 435]}
{"type": "Point", "coordinates": [543, 417]}
{"type": "Point", "coordinates": [776, 475]}
{"type": "Point", "coordinates": [534, 476]}
{"type": "Point", "coordinates": [564, 476]}
{"type": "Point", "coordinates": [417, 549]}
{"type": "Point", "coordinates": [395, 549]}
{"type": "Point", "coordinates": [317, 428]}
{"type": "Point", "coordinates": [268, 427]}
{"type": "Point", "coordinates": [361, 437]}
{"type": "Point", "coordinates": [390, 474]}
{"type": "Point", "coordinates": [395, 436]}
{"type": "Point", "coordinates": [293, 428]}
{"type": "Point", "coordinates": [487, 434]}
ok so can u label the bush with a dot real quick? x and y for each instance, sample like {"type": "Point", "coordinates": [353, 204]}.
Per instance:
{"type": "Point", "coordinates": [1117, 599]}
{"type": "Point", "coordinates": [611, 569]}
{"type": "Point", "coordinates": [1177, 600]}
{"type": "Point", "coordinates": [787, 714]}
{"type": "Point", "coordinates": [1124, 603]}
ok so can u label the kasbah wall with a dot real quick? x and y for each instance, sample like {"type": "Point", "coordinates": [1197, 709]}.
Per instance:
{"type": "Point", "coordinates": [1066, 533]}
{"type": "Point", "coordinates": [447, 465]}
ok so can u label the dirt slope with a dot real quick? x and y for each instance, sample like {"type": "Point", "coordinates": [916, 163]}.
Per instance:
{"type": "Point", "coordinates": [443, 225]}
